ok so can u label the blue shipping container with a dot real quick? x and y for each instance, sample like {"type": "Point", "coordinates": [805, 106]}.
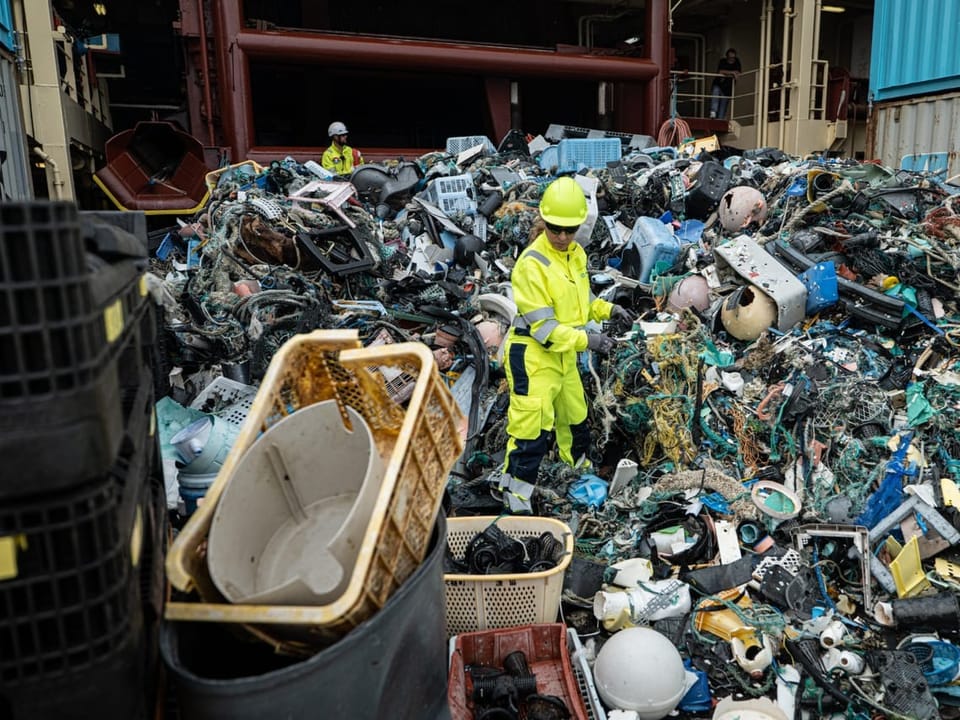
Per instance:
{"type": "Point", "coordinates": [6, 26]}
{"type": "Point", "coordinates": [914, 48]}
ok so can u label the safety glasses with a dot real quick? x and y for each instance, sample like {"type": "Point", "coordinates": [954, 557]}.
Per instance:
{"type": "Point", "coordinates": [560, 229]}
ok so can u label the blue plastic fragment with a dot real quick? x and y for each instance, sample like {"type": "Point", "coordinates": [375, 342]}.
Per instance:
{"type": "Point", "coordinates": [889, 495]}
{"type": "Point", "coordinates": [448, 239]}
{"type": "Point", "coordinates": [716, 502]}
{"type": "Point", "coordinates": [822, 287]}
{"type": "Point", "coordinates": [798, 187]}
{"type": "Point", "coordinates": [166, 247]}
{"type": "Point", "coordinates": [589, 490]}
{"type": "Point", "coordinates": [193, 253]}
{"type": "Point", "coordinates": [690, 231]}
{"type": "Point", "coordinates": [698, 698]}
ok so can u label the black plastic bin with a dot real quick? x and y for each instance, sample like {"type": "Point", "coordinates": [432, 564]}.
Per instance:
{"type": "Point", "coordinates": [392, 666]}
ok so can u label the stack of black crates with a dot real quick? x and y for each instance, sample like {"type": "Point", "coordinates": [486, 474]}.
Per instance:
{"type": "Point", "coordinates": [82, 506]}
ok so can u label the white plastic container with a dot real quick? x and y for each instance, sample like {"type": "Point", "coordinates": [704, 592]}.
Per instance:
{"type": "Point", "coordinates": [290, 523]}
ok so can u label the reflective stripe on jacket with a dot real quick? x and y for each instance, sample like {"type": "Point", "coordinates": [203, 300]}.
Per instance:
{"type": "Point", "coordinates": [552, 292]}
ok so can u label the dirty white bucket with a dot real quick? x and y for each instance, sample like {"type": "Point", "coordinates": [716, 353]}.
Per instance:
{"type": "Point", "coordinates": [291, 519]}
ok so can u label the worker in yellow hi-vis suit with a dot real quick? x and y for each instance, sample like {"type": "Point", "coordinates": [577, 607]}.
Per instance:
{"type": "Point", "coordinates": [554, 303]}
{"type": "Point", "coordinates": [340, 157]}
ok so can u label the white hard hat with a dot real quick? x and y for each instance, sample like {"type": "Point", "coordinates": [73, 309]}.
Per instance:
{"type": "Point", "coordinates": [336, 128]}
{"type": "Point", "coordinates": [741, 206]}
{"type": "Point", "coordinates": [639, 669]}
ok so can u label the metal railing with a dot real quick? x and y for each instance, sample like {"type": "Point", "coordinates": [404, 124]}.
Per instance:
{"type": "Point", "coordinates": [76, 82]}
{"type": "Point", "coordinates": [819, 76]}
{"type": "Point", "coordinates": [693, 93]}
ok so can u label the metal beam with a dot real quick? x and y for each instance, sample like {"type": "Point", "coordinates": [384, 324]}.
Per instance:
{"type": "Point", "coordinates": [365, 51]}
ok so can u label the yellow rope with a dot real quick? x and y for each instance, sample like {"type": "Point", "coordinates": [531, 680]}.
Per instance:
{"type": "Point", "coordinates": [748, 445]}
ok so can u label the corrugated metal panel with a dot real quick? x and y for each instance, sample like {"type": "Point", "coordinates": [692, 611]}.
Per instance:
{"type": "Point", "coordinates": [15, 179]}
{"type": "Point", "coordinates": [6, 25]}
{"type": "Point", "coordinates": [914, 48]}
{"type": "Point", "coordinates": [922, 125]}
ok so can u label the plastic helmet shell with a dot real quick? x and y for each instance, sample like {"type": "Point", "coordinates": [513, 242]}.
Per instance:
{"type": "Point", "coordinates": [639, 669]}
{"type": "Point", "coordinates": [563, 203]}
{"type": "Point", "coordinates": [741, 206]}
{"type": "Point", "coordinates": [465, 248]}
{"type": "Point", "coordinates": [337, 128]}
{"type": "Point", "coordinates": [693, 291]}
{"type": "Point", "coordinates": [747, 312]}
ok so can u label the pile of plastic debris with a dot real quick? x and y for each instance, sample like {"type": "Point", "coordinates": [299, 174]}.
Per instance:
{"type": "Point", "coordinates": [775, 451]}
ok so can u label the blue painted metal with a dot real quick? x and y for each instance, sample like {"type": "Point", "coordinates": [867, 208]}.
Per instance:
{"type": "Point", "coordinates": [107, 43]}
{"type": "Point", "coordinates": [936, 163]}
{"type": "Point", "coordinates": [6, 25]}
{"type": "Point", "coordinates": [914, 48]}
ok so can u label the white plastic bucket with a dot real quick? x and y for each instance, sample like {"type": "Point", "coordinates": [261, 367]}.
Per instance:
{"type": "Point", "coordinates": [290, 522]}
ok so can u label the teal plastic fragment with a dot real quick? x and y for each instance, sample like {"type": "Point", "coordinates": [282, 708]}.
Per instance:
{"type": "Point", "coordinates": [919, 410]}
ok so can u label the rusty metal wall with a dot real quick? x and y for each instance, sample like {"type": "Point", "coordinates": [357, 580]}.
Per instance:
{"type": "Point", "coordinates": [921, 125]}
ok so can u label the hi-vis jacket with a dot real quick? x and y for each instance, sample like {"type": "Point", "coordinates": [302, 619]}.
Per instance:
{"type": "Point", "coordinates": [341, 161]}
{"type": "Point", "coordinates": [552, 292]}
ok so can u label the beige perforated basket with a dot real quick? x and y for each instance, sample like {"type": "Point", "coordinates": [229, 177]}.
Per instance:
{"type": "Point", "coordinates": [483, 602]}
{"type": "Point", "coordinates": [419, 444]}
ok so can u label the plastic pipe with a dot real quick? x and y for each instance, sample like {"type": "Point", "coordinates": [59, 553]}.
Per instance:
{"type": "Point", "coordinates": [749, 533]}
{"type": "Point", "coordinates": [58, 183]}
{"type": "Point", "coordinates": [934, 611]}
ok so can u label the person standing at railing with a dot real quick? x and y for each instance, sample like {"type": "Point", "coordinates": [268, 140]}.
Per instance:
{"type": "Point", "coordinates": [722, 89]}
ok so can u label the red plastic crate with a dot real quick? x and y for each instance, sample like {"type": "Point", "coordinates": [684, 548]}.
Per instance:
{"type": "Point", "coordinates": [546, 649]}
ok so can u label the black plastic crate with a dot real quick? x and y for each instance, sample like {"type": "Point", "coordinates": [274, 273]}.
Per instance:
{"type": "Point", "coordinates": [70, 603]}
{"type": "Point", "coordinates": [78, 593]}
{"type": "Point", "coordinates": [56, 441]}
{"type": "Point", "coordinates": [76, 329]}
{"type": "Point", "coordinates": [61, 316]}
{"type": "Point", "coordinates": [131, 221]}
{"type": "Point", "coordinates": [109, 689]}
{"type": "Point", "coordinates": [48, 343]}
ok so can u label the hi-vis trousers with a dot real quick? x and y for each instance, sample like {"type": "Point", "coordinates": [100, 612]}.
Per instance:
{"type": "Point", "coordinates": [545, 394]}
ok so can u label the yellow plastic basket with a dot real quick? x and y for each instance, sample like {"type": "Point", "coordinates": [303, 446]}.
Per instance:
{"type": "Point", "coordinates": [419, 445]}
{"type": "Point", "coordinates": [213, 177]}
{"type": "Point", "coordinates": [484, 602]}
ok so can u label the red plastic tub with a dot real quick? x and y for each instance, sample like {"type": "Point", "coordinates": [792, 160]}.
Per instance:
{"type": "Point", "coordinates": [546, 649]}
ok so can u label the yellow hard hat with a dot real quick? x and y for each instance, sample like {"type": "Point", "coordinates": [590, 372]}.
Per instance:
{"type": "Point", "coordinates": [563, 203]}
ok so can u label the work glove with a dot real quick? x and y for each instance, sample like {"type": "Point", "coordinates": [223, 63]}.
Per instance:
{"type": "Point", "coordinates": [621, 313]}
{"type": "Point", "coordinates": [598, 342]}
